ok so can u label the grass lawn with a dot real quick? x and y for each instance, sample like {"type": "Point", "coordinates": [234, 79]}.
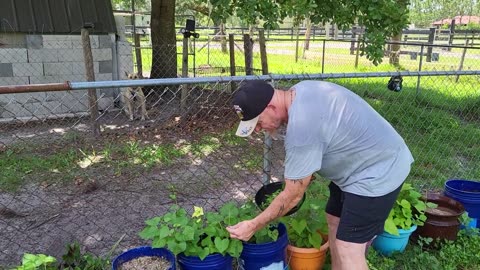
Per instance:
{"type": "Point", "coordinates": [439, 121]}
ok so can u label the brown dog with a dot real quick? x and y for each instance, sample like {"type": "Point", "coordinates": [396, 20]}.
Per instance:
{"type": "Point", "coordinates": [133, 99]}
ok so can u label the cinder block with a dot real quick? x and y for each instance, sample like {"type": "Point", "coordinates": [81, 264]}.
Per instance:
{"type": "Point", "coordinates": [57, 42]}
{"type": "Point", "coordinates": [104, 41]}
{"type": "Point", "coordinates": [105, 66]}
{"type": "Point", "coordinates": [13, 110]}
{"type": "Point", "coordinates": [24, 98]}
{"type": "Point", "coordinates": [6, 70]}
{"type": "Point", "coordinates": [13, 55]}
{"type": "Point", "coordinates": [103, 77]}
{"type": "Point", "coordinates": [13, 81]}
{"type": "Point", "coordinates": [43, 55]}
{"type": "Point", "coordinates": [70, 55]}
{"type": "Point", "coordinates": [78, 44]}
{"type": "Point", "coordinates": [105, 103]}
{"type": "Point", "coordinates": [102, 54]}
{"type": "Point", "coordinates": [34, 41]}
{"type": "Point", "coordinates": [27, 69]}
{"type": "Point", "coordinates": [72, 101]}
{"type": "Point", "coordinates": [64, 68]}
{"type": "Point", "coordinates": [124, 48]}
{"type": "Point", "coordinates": [78, 68]}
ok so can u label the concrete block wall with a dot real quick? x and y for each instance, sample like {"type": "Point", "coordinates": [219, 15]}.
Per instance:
{"type": "Point", "coordinates": [38, 59]}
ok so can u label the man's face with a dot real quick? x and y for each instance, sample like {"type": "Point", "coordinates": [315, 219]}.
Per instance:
{"type": "Point", "coordinates": [269, 121]}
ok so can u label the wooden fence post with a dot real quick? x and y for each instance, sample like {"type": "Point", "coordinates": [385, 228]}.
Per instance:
{"type": "Point", "coordinates": [263, 52]}
{"type": "Point", "coordinates": [431, 38]}
{"type": "Point", "coordinates": [452, 33]}
{"type": "Point", "coordinates": [460, 67]}
{"type": "Point", "coordinates": [92, 94]}
{"type": "Point", "coordinates": [231, 43]}
{"type": "Point", "coordinates": [248, 48]}
{"type": "Point", "coordinates": [138, 54]}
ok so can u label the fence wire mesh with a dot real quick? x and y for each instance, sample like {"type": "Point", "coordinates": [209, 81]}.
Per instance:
{"type": "Point", "coordinates": [60, 184]}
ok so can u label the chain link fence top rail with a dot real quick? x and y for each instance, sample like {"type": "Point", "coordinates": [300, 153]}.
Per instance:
{"type": "Point", "coordinates": [211, 55]}
{"type": "Point", "coordinates": [59, 183]}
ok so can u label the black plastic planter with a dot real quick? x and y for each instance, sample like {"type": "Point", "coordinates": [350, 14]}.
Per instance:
{"type": "Point", "coordinates": [266, 190]}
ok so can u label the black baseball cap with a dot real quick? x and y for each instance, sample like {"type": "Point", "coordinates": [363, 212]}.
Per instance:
{"type": "Point", "coordinates": [249, 101]}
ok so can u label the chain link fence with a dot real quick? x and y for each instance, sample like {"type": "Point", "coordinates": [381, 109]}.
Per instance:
{"type": "Point", "coordinates": [59, 183]}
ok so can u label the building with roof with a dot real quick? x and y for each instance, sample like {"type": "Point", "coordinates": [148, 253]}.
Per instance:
{"type": "Point", "coordinates": [459, 20]}
{"type": "Point", "coordinates": [40, 42]}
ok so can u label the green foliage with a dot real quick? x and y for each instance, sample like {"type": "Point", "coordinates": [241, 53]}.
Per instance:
{"type": "Point", "coordinates": [408, 210]}
{"type": "Point", "coordinates": [464, 253]}
{"type": "Point", "coordinates": [249, 210]}
{"type": "Point", "coordinates": [74, 259]}
{"type": "Point", "coordinates": [200, 234]}
{"type": "Point", "coordinates": [304, 225]}
{"type": "Point", "coordinates": [381, 18]}
{"type": "Point", "coordinates": [19, 164]}
{"type": "Point", "coordinates": [37, 261]}
{"type": "Point", "coordinates": [151, 155]}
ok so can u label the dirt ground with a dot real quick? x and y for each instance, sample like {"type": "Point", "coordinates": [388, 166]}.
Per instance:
{"type": "Point", "coordinates": [100, 209]}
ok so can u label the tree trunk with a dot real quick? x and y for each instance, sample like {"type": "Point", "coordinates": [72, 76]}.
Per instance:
{"type": "Point", "coordinates": [307, 35]}
{"type": "Point", "coordinates": [164, 49]}
{"type": "Point", "coordinates": [395, 50]}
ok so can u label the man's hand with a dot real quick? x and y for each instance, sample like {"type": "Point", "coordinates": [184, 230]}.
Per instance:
{"type": "Point", "coordinates": [243, 230]}
{"type": "Point", "coordinates": [286, 200]}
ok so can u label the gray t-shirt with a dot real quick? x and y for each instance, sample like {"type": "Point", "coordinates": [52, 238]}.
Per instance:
{"type": "Point", "coordinates": [334, 131]}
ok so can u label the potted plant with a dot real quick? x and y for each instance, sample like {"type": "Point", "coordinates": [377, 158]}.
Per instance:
{"type": "Point", "coordinates": [267, 247]}
{"type": "Point", "coordinates": [443, 222]}
{"type": "Point", "coordinates": [407, 213]}
{"type": "Point", "coordinates": [197, 240]}
{"type": "Point", "coordinates": [308, 230]}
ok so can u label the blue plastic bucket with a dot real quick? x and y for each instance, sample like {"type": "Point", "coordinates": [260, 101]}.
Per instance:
{"type": "Point", "coordinates": [386, 243]}
{"type": "Point", "coordinates": [266, 256]}
{"type": "Point", "coordinates": [143, 252]}
{"type": "Point", "coordinates": [467, 193]}
{"type": "Point", "coordinates": [211, 262]}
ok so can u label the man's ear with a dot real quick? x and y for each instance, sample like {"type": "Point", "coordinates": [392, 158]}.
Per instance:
{"type": "Point", "coordinates": [271, 106]}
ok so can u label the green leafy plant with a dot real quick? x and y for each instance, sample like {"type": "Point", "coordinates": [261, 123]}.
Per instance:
{"type": "Point", "coordinates": [76, 260]}
{"type": "Point", "coordinates": [200, 234]}
{"type": "Point", "coordinates": [309, 222]}
{"type": "Point", "coordinates": [269, 233]}
{"type": "Point", "coordinates": [408, 210]}
{"type": "Point", "coordinates": [37, 261]}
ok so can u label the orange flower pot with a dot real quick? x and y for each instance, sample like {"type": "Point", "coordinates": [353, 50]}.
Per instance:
{"type": "Point", "coordinates": [307, 258]}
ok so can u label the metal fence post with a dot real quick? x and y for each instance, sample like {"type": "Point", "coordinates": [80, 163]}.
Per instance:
{"type": "Point", "coordinates": [419, 69]}
{"type": "Point", "coordinates": [267, 158]}
{"type": "Point", "coordinates": [183, 98]}
{"type": "Point", "coordinates": [323, 56]}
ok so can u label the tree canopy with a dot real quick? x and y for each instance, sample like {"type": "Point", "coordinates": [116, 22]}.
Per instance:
{"type": "Point", "coordinates": [424, 12]}
{"type": "Point", "coordinates": [382, 19]}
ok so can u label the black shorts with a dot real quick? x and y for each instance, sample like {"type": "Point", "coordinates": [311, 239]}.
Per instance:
{"type": "Point", "coordinates": [361, 217]}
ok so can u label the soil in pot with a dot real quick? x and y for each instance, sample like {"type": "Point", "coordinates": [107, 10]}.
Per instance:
{"type": "Point", "coordinates": [146, 263]}
{"type": "Point", "coordinates": [267, 193]}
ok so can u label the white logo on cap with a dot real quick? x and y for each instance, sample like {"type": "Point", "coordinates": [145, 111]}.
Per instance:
{"type": "Point", "coordinates": [239, 111]}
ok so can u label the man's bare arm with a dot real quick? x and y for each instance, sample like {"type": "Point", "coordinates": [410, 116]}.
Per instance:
{"type": "Point", "coordinates": [286, 200]}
